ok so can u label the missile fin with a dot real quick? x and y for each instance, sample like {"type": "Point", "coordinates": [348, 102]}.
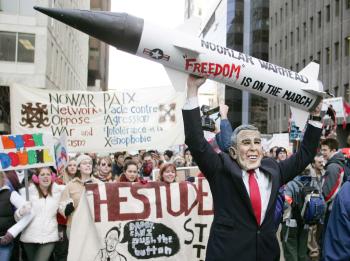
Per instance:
{"type": "Point", "coordinates": [194, 49]}
{"type": "Point", "coordinates": [311, 70]}
{"type": "Point", "coordinates": [191, 26]}
{"type": "Point", "coordinates": [177, 78]}
{"type": "Point", "coordinates": [299, 117]}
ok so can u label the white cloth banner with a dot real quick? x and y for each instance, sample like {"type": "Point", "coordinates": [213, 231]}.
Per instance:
{"type": "Point", "coordinates": [118, 120]}
{"type": "Point", "coordinates": [134, 221]}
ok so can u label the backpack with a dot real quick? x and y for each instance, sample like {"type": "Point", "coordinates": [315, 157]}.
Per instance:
{"type": "Point", "coordinates": [310, 206]}
{"type": "Point", "coordinates": [346, 170]}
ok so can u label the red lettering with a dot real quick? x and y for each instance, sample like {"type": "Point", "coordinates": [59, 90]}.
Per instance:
{"type": "Point", "coordinates": [189, 63]}
{"type": "Point", "coordinates": [226, 70]}
{"type": "Point", "coordinates": [197, 67]}
{"type": "Point", "coordinates": [14, 159]}
{"type": "Point", "coordinates": [204, 68]}
{"type": "Point", "coordinates": [28, 140]}
{"type": "Point", "coordinates": [211, 68]}
{"type": "Point", "coordinates": [200, 196]}
{"type": "Point", "coordinates": [235, 69]}
{"type": "Point", "coordinates": [218, 69]}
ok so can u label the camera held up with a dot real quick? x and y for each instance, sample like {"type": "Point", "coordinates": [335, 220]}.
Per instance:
{"type": "Point", "coordinates": [208, 123]}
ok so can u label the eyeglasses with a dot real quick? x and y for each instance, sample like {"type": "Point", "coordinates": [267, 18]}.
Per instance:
{"type": "Point", "coordinates": [103, 164]}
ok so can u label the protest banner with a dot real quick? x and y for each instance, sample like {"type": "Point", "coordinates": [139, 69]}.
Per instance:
{"type": "Point", "coordinates": [25, 151]}
{"type": "Point", "coordinates": [337, 105]}
{"type": "Point", "coordinates": [61, 154]}
{"type": "Point", "coordinates": [118, 120]}
{"type": "Point", "coordinates": [134, 221]}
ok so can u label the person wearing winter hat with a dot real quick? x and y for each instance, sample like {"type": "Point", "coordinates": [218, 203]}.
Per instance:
{"type": "Point", "coordinates": [74, 189]}
{"type": "Point", "coordinates": [9, 229]}
{"type": "Point", "coordinates": [281, 154]}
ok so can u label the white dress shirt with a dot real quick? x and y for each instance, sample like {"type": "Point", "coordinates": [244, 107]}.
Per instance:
{"type": "Point", "coordinates": [265, 185]}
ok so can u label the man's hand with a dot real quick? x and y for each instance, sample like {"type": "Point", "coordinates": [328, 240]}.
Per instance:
{"type": "Point", "coordinates": [317, 110]}
{"type": "Point", "coordinates": [69, 209]}
{"type": "Point", "coordinates": [193, 83]}
{"type": "Point", "coordinates": [223, 111]}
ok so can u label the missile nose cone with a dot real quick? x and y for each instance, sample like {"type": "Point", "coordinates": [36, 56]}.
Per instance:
{"type": "Point", "coordinates": [120, 30]}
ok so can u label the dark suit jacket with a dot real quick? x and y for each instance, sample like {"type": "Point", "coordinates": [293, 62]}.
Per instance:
{"type": "Point", "coordinates": [234, 234]}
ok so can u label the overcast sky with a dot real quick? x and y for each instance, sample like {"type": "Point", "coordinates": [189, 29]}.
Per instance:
{"type": "Point", "coordinates": [129, 71]}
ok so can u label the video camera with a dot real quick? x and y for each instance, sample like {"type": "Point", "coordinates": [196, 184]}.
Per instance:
{"type": "Point", "coordinates": [208, 123]}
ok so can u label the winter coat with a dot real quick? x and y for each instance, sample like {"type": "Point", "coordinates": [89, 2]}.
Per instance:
{"type": "Point", "coordinates": [43, 228]}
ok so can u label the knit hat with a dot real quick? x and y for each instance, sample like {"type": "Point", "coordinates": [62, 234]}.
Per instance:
{"type": "Point", "coordinates": [279, 150]}
{"type": "Point", "coordinates": [83, 157]}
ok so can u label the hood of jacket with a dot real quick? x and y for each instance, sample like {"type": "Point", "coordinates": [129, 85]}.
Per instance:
{"type": "Point", "coordinates": [337, 158]}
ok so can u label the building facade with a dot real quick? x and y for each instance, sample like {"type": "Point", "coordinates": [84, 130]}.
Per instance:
{"type": "Point", "coordinates": [241, 25]}
{"type": "Point", "coordinates": [38, 51]}
{"type": "Point", "coordinates": [314, 30]}
{"type": "Point", "coordinates": [98, 54]}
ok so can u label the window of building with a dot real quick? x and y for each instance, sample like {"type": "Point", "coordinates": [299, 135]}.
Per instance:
{"type": "Point", "coordinates": [21, 7]}
{"type": "Point", "coordinates": [336, 51]}
{"type": "Point", "coordinates": [328, 13]}
{"type": "Point", "coordinates": [285, 42]}
{"type": "Point", "coordinates": [328, 55]}
{"type": "Point", "coordinates": [319, 19]}
{"type": "Point", "coordinates": [291, 67]}
{"type": "Point", "coordinates": [346, 92]}
{"type": "Point", "coordinates": [311, 24]}
{"type": "Point", "coordinates": [298, 36]}
{"type": "Point", "coordinates": [319, 57]}
{"type": "Point", "coordinates": [281, 13]}
{"type": "Point", "coordinates": [285, 110]}
{"type": "Point", "coordinates": [292, 5]}
{"type": "Point", "coordinates": [347, 3]}
{"type": "Point", "coordinates": [304, 29]}
{"type": "Point", "coordinates": [304, 63]}
{"type": "Point", "coordinates": [336, 7]}
{"type": "Point", "coordinates": [291, 39]}
{"type": "Point", "coordinates": [274, 112]}
{"type": "Point", "coordinates": [25, 50]}
{"type": "Point", "coordinates": [275, 49]}
{"type": "Point", "coordinates": [286, 9]}
{"type": "Point", "coordinates": [311, 58]}
{"type": "Point", "coordinates": [7, 46]}
{"type": "Point", "coordinates": [336, 91]}
{"type": "Point", "coordinates": [347, 46]}
{"type": "Point", "coordinates": [276, 18]}
{"type": "Point", "coordinates": [270, 113]}
{"type": "Point", "coordinates": [297, 67]}
{"type": "Point", "coordinates": [281, 48]}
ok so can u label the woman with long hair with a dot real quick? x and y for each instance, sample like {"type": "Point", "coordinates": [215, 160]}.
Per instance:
{"type": "Point", "coordinates": [130, 172]}
{"type": "Point", "coordinates": [75, 188]}
{"type": "Point", "coordinates": [40, 235]}
{"type": "Point", "coordinates": [104, 169]}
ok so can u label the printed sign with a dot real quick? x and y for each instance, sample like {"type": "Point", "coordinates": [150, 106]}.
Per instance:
{"type": "Point", "coordinates": [61, 153]}
{"type": "Point", "coordinates": [122, 120]}
{"type": "Point", "coordinates": [26, 151]}
{"type": "Point", "coordinates": [134, 221]}
{"type": "Point", "coordinates": [337, 105]}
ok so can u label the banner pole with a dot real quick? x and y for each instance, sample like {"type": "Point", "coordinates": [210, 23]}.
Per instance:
{"type": "Point", "coordinates": [26, 184]}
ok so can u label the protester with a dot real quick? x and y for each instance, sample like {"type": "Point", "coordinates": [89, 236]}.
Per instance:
{"type": "Point", "coordinates": [243, 226]}
{"type": "Point", "coordinates": [68, 173]}
{"type": "Point", "coordinates": [294, 234]}
{"type": "Point", "coordinates": [75, 188]}
{"type": "Point", "coordinates": [273, 152]}
{"type": "Point", "coordinates": [337, 239]}
{"type": "Point", "coordinates": [40, 235]}
{"type": "Point", "coordinates": [9, 229]}
{"type": "Point", "coordinates": [117, 168]}
{"type": "Point", "coordinates": [281, 154]}
{"type": "Point", "coordinates": [317, 171]}
{"type": "Point", "coordinates": [104, 169]}
{"type": "Point", "coordinates": [130, 173]}
{"type": "Point", "coordinates": [188, 159]}
{"type": "Point", "coordinates": [168, 155]}
{"type": "Point", "coordinates": [168, 173]}
{"type": "Point", "coordinates": [60, 252]}
{"type": "Point", "coordinates": [147, 166]}
{"type": "Point", "coordinates": [223, 137]}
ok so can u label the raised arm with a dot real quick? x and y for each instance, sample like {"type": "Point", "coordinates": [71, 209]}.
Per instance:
{"type": "Point", "coordinates": [203, 154]}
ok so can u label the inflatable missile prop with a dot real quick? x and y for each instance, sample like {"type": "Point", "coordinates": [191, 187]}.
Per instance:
{"type": "Point", "coordinates": [181, 54]}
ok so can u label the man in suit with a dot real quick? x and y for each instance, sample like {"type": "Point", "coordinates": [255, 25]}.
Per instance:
{"type": "Point", "coordinates": [244, 186]}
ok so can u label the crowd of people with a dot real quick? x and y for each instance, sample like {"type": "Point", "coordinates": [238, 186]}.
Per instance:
{"type": "Point", "coordinates": [306, 194]}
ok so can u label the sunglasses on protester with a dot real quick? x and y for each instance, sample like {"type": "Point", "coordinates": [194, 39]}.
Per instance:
{"type": "Point", "coordinates": [103, 164]}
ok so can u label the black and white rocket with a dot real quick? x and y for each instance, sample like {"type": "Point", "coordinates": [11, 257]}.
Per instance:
{"type": "Point", "coordinates": [182, 53]}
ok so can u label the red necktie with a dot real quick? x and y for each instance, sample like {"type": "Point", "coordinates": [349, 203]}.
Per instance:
{"type": "Point", "coordinates": [254, 195]}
